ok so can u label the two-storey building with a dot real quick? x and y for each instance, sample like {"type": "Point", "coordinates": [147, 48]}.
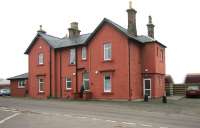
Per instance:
{"type": "Point", "coordinates": [110, 63]}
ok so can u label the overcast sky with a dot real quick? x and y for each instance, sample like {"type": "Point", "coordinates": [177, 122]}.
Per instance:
{"type": "Point", "coordinates": [177, 25]}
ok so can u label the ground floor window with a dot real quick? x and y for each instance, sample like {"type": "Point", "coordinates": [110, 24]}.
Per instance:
{"type": "Point", "coordinates": [41, 84]}
{"type": "Point", "coordinates": [86, 81]}
{"type": "Point", "coordinates": [21, 83]}
{"type": "Point", "coordinates": [107, 82]}
{"type": "Point", "coordinates": [68, 83]}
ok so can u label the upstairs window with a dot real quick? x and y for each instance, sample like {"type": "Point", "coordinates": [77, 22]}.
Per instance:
{"type": "Point", "coordinates": [72, 56]}
{"type": "Point", "coordinates": [162, 55]}
{"type": "Point", "coordinates": [107, 51]}
{"type": "Point", "coordinates": [84, 53]}
{"type": "Point", "coordinates": [41, 84]}
{"type": "Point", "coordinates": [41, 58]}
{"type": "Point", "coordinates": [68, 84]}
{"type": "Point", "coordinates": [21, 83]}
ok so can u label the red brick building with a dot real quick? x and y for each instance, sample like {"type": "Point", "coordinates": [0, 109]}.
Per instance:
{"type": "Point", "coordinates": [19, 85]}
{"type": "Point", "coordinates": [111, 63]}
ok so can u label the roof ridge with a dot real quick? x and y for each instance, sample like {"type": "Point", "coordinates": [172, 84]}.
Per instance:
{"type": "Point", "coordinates": [50, 35]}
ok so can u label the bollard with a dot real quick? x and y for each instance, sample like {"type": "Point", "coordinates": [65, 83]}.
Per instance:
{"type": "Point", "coordinates": [164, 99]}
{"type": "Point", "coordinates": [146, 98]}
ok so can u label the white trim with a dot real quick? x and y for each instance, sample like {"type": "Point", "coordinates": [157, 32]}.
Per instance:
{"type": "Point", "coordinates": [41, 58]}
{"type": "Point", "coordinates": [104, 83]}
{"type": "Point", "coordinates": [72, 56]}
{"type": "Point", "coordinates": [84, 52]}
{"type": "Point", "coordinates": [107, 48]}
{"type": "Point", "coordinates": [39, 82]}
{"type": "Point", "coordinates": [19, 84]}
{"type": "Point", "coordinates": [68, 81]}
{"type": "Point", "coordinates": [86, 80]}
{"type": "Point", "coordinates": [147, 89]}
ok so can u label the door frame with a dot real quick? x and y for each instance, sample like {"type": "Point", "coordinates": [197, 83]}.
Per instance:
{"type": "Point", "coordinates": [147, 89]}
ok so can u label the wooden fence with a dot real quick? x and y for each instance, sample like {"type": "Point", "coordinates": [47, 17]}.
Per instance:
{"type": "Point", "coordinates": [177, 89]}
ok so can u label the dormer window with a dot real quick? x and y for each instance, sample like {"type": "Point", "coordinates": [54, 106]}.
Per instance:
{"type": "Point", "coordinates": [41, 58]}
{"type": "Point", "coordinates": [72, 56]}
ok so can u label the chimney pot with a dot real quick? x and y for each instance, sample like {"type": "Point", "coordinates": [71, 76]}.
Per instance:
{"type": "Point", "coordinates": [73, 30]}
{"type": "Point", "coordinates": [150, 28]}
{"type": "Point", "coordinates": [132, 20]}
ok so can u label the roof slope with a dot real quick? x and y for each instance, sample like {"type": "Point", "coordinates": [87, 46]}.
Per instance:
{"type": "Point", "coordinates": [56, 42]}
{"type": "Point", "coordinates": [22, 76]}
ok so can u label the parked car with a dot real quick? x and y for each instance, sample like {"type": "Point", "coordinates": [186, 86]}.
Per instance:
{"type": "Point", "coordinates": [4, 92]}
{"type": "Point", "coordinates": [193, 91]}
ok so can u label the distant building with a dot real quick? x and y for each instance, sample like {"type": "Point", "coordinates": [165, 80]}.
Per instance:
{"type": "Point", "coordinates": [4, 83]}
{"type": "Point", "coordinates": [192, 78]}
{"type": "Point", "coordinates": [19, 85]}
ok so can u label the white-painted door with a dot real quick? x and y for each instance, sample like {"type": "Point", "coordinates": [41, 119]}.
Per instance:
{"type": "Point", "coordinates": [147, 87]}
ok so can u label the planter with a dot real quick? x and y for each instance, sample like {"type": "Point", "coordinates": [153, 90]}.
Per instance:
{"type": "Point", "coordinates": [87, 95]}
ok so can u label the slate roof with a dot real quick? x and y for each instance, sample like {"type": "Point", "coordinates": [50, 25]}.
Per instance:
{"type": "Point", "coordinates": [22, 76]}
{"type": "Point", "coordinates": [56, 42]}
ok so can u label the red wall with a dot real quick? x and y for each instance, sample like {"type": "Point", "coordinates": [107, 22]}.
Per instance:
{"type": "Point", "coordinates": [36, 70]}
{"type": "Point", "coordinates": [118, 65]}
{"type": "Point", "coordinates": [18, 92]}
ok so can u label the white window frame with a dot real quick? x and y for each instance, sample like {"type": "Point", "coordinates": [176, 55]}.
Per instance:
{"type": "Point", "coordinates": [86, 79]}
{"type": "Point", "coordinates": [72, 56]}
{"type": "Point", "coordinates": [20, 85]}
{"type": "Point", "coordinates": [106, 74]}
{"type": "Point", "coordinates": [107, 48]}
{"type": "Point", "coordinates": [39, 84]}
{"type": "Point", "coordinates": [68, 80]}
{"type": "Point", "coordinates": [144, 86]}
{"type": "Point", "coordinates": [84, 53]}
{"type": "Point", "coordinates": [41, 58]}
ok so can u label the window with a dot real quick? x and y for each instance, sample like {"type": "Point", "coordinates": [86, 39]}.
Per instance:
{"type": "Point", "coordinates": [68, 83]}
{"type": "Point", "coordinates": [41, 84]}
{"type": "Point", "coordinates": [41, 58]}
{"type": "Point", "coordinates": [107, 83]}
{"type": "Point", "coordinates": [72, 56]}
{"type": "Point", "coordinates": [21, 83]}
{"type": "Point", "coordinates": [162, 54]}
{"type": "Point", "coordinates": [86, 81]}
{"type": "Point", "coordinates": [107, 51]}
{"type": "Point", "coordinates": [84, 53]}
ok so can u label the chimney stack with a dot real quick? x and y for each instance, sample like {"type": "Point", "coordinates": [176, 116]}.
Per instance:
{"type": "Point", "coordinates": [73, 30]}
{"type": "Point", "coordinates": [41, 30]}
{"type": "Point", "coordinates": [132, 20]}
{"type": "Point", "coordinates": [150, 28]}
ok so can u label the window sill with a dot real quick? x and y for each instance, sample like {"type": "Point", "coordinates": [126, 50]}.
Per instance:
{"type": "Point", "coordinates": [41, 93]}
{"type": "Point", "coordinates": [40, 64]}
{"type": "Point", "coordinates": [106, 61]}
{"type": "Point", "coordinates": [72, 64]}
{"type": "Point", "coordinates": [68, 89]}
{"type": "Point", "coordinates": [107, 93]}
{"type": "Point", "coordinates": [21, 87]}
{"type": "Point", "coordinates": [84, 59]}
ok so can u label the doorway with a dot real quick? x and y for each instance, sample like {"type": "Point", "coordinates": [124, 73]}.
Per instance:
{"type": "Point", "coordinates": [147, 87]}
